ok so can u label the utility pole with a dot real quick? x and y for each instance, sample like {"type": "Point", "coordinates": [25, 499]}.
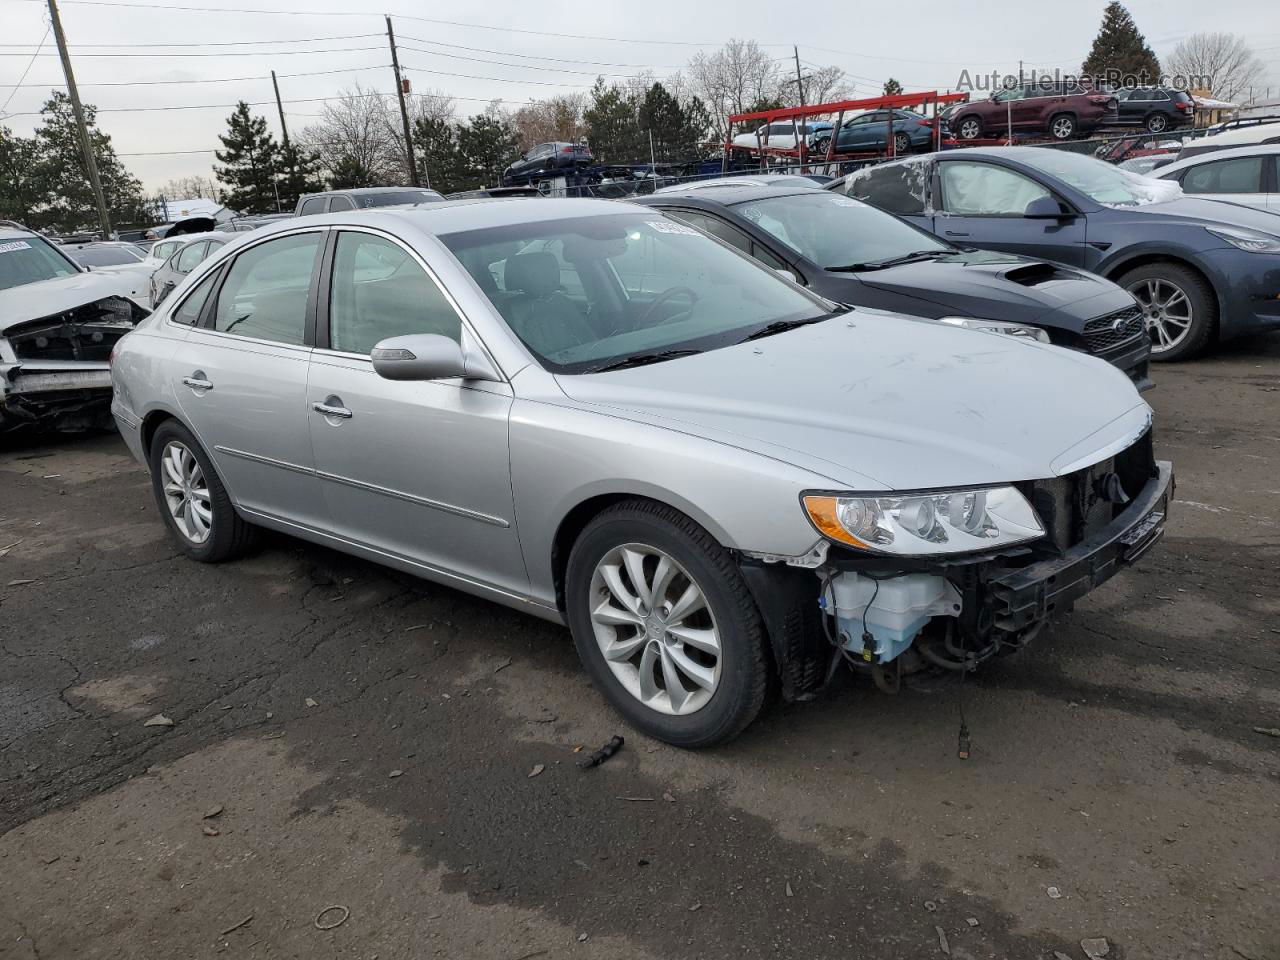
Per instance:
{"type": "Point", "coordinates": [799, 79]}
{"type": "Point", "coordinates": [404, 110]}
{"type": "Point", "coordinates": [802, 139]}
{"type": "Point", "coordinates": [284, 129]}
{"type": "Point", "coordinates": [85, 143]}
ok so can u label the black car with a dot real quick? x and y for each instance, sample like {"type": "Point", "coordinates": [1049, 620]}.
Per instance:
{"type": "Point", "coordinates": [852, 252]}
{"type": "Point", "coordinates": [547, 159]}
{"type": "Point", "coordinates": [1156, 108]}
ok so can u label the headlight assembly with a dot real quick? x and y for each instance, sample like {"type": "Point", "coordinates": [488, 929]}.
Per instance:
{"type": "Point", "coordinates": [1024, 330]}
{"type": "Point", "coordinates": [959, 521]}
{"type": "Point", "coordinates": [1254, 241]}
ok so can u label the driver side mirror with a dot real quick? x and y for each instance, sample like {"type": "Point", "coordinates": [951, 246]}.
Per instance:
{"type": "Point", "coordinates": [429, 356]}
{"type": "Point", "coordinates": [1043, 208]}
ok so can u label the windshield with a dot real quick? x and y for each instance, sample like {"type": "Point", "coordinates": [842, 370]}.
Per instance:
{"type": "Point", "coordinates": [836, 231]}
{"type": "Point", "coordinates": [29, 260]}
{"type": "Point", "coordinates": [1099, 180]}
{"type": "Point", "coordinates": [590, 292]}
{"type": "Point", "coordinates": [397, 196]}
{"type": "Point", "coordinates": [105, 256]}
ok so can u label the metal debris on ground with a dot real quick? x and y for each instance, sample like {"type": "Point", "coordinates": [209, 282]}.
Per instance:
{"type": "Point", "coordinates": [1095, 947]}
{"type": "Point", "coordinates": [310, 703]}
{"type": "Point", "coordinates": [1059, 955]}
{"type": "Point", "coordinates": [212, 812]}
{"type": "Point", "coordinates": [236, 926]}
{"type": "Point", "coordinates": [395, 773]}
{"type": "Point", "coordinates": [942, 941]}
{"type": "Point", "coordinates": [343, 914]}
{"type": "Point", "coordinates": [668, 796]}
{"type": "Point", "coordinates": [18, 583]}
{"type": "Point", "coordinates": [637, 799]}
{"type": "Point", "coordinates": [789, 891]}
{"type": "Point", "coordinates": [930, 906]}
{"type": "Point", "coordinates": [502, 666]}
{"type": "Point", "coordinates": [603, 754]}
{"type": "Point", "coordinates": [537, 769]}
{"type": "Point", "coordinates": [695, 908]}
{"type": "Point", "coordinates": [211, 831]}
{"type": "Point", "coordinates": [159, 720]}
{"type": "Point", "coordinates": [582, 938]}
{"type": "Point", "coordinates": [1268, 731]}
{"type": "Point", "coordinates": [1054, 893]}
{"type": "Point", "coordinates": [972, 921]}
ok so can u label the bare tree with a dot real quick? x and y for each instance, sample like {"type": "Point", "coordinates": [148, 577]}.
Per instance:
{"type": "Point", "coordinates": [1221, 62]}
{"type": "Point", "coordinates": [557, 118]}
{"type": "Point", "coordinates": [355, 139]}
{"type": "Point", "coordinates": [733, 79]}
{"type": "Point", "coordinates": [822, 85]}
{"type": "Point", "coordinates": [188, 188]}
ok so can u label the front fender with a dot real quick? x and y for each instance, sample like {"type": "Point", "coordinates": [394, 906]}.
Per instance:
{"type": "Point", "coordinates": [1131, 255]}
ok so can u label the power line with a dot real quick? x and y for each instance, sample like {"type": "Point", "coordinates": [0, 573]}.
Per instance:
{"type": "Point", "coordinates": [218, 43]}
{"type": "Point", "coordinates": [243, 53]}
{"type": "Point", "coordinates": [520, 66]}
{"type": "Point", "coordinates": [529, 56]}
{"type": "Point", "coordinates": [470, 76]}
{"type": "Point", "coordinates": [211, 106]}
{"type": "Point", "coordinates": [30, 63]}
{"type": "Point", "coordinates": [153, 83]}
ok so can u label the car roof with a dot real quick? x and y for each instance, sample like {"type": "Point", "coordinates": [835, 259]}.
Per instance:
{"type": "Point", "coordinates": [185, 238]}
{"type": "Point", "coordinates": [1209, 156]}
{"type": "Point", "coordinates": [729, 196]}
{"type": "Point", "coordinates": [17, 233]}
{"type": "Point", "coordinates": [456, 216]}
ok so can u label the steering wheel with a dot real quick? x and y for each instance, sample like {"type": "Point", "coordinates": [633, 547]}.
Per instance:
{"type": "Point", "coordinates": [669, 294]}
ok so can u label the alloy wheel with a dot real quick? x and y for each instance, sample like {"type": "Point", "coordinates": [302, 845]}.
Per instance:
{"type": "Point", "coordinates": [655, 629]}
{"type": "Point", "coordinates": [186, 493]}
{"type": "Point", "coordinates": [1156, 123]}
{"type": "Point", "coordinates": [901, 144]}
{"type": "Point", "coordinates": [970, 129]}
{"type": "Point", "coordinates": [1063, 127]}
{"type": "Point", "coordinates": [1167, 310]}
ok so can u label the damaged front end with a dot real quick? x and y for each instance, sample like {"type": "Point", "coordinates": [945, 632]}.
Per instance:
{"type": "Point", "coordinates": [55, 371]}
{"type": "Point", "coordinates": [893, 615]}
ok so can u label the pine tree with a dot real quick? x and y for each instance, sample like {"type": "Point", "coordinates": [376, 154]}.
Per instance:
{"type": "Point", "coordinates": [892, 87]}
{"type": "Point", "coordinates": [486, 144]}
{"type": "Point", "coordinates": [661, 116]}
{"type": "Point", "coordinates": [299, 174]}
{"type": "Point", "coordinates": [1120, 55]}
{"type": "Point", "coordinates": [61, 179]}
{"type": "Point", "coordinates": [615, 135]}
{"type": "Point", "coordinates": [250, 161]}
{"type": "Point", "coordinates": [20, 192]}
{"type": "Point", "coordinates": [436, 145]}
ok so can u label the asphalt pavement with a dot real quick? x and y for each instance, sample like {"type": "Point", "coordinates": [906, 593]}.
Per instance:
{"type": "Point", "coordinates": [361, 764]}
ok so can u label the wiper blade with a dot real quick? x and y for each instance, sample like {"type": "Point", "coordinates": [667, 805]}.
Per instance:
{"type": "Point", "coordinates": [641, 359]}
{"type": "Point", "coordinates": [893, 262]}
{"type": "Point", "coordinates": [782, 326]}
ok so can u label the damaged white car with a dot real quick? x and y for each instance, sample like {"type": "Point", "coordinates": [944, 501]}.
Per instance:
{"type": "Point", "coordinates": [58, 324]}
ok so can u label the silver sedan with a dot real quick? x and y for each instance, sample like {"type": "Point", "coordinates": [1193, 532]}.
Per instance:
{"type": "Point", "coordinates": [603, 417]}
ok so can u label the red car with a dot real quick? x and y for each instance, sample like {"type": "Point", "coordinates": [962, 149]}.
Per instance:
{"type": "Point", "coordinates": [1062, 109]}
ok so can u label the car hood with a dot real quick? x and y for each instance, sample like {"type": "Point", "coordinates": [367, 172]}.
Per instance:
{"type": "Point", "coordinates": [1001, 286]}
{"type": "Point", "coordinates": [1208, 213]}
{"type": "Point", "coordinates": [879, 401]}
{"type": "Point", "coordinates": [31, 301]}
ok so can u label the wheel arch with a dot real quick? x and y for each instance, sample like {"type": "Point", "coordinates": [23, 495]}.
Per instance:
{"type": "Point", "coordinates": [151, 422]}
{"type": "Point", "coordinates": [1113, 269]}
{"type": "Point", "coordinates": [589, 504]}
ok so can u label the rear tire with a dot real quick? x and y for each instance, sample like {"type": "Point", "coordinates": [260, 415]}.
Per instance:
{"type": "Point", "coordinates": [1062, 126]}
{"type": "Point", "coordinates": [901, 144]}
{"type": "Point", "coordinates": [1180, 308]}
{"type": "Point", "coordinates": [192, 499]}
{"type": "Point", "coordinates": [628, 579]}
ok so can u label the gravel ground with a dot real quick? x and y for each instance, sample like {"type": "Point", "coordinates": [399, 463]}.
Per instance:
{"type": "Point", "coordinates": [344, 736]}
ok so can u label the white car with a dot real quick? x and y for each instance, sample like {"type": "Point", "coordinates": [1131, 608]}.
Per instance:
{"type": "Point", "coordinates": [1248, 132]}
{"type": "Point", "coordinates": [58, 325]}
{"type": "Point", "coordinates": [113, 256]}
{"type": "Point", "coordinates": [1245, 175]}
{"type": "Point", "coordinates": [782, 135]}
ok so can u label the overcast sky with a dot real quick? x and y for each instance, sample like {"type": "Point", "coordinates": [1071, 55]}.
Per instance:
{"type": "Point", "coordinates": [120, 49]}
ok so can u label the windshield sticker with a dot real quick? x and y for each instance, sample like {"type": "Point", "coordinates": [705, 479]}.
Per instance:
{"type": "Point", "coordinates": [666, 226]}
{"type": "Point", "coordinates": [13, 245]}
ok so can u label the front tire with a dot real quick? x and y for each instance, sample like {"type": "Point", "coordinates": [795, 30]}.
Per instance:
{"type": "Point", "coordinates": [665, 625]}
{"type": "Point", "coordinates": [1062, 127]}
{"type": "Point", "coordinates": [969, 128]}
{"type": "Point", "coordinates": [193, 501]}
{"type": "Point", "coordinates": [1179, 308]}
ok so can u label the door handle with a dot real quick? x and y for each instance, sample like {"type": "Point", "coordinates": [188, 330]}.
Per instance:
{"type": "Point", "coordinates": [956, 233]}
{"type": "Point", "coordinates": [330, 410]}
{"type": "Point", "coordinates": [197, 382]}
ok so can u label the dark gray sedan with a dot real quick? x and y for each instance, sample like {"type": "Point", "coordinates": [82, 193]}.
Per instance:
{"type": "Point", "coordinates": [1201, 269]}
{"type": "Point", "coordinates": [851, 252]}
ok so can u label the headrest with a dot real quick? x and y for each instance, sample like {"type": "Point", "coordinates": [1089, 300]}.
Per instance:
{"type": "Point", "coordinates": [537, 274]}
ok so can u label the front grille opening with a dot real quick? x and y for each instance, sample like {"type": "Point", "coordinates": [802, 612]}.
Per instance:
{"type": "Point", "coordinates": [1105, 333]}
{"type": "Point", "coordinates": [84, 333]}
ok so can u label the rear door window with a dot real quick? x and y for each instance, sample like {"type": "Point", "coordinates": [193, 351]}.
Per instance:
{"type": "Point", "coordinates": [266, 290]}
{"type": "Point", "coordinates": [189, 312]}
{"type": "Point", "coordinates": [897, 187]}
{"type": "Point", "coordinates": [340, 203]}
{"type": "Point", "coordinates": [312, 205]}
{"type": "Point", "coordinates": [1241, 175]}
{"type": "Point", "coordinates": [189, 256]}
